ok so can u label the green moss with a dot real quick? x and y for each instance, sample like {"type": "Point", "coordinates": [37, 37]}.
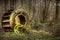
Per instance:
{"type": "Point", "coordinates": [28, 34]}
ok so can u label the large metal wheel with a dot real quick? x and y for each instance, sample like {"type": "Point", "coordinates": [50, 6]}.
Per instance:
{"type": "Point", "coordinates": [12, 18]}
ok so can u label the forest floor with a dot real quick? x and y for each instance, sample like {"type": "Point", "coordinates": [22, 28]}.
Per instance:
{"type": "Point", "coordinates": [29, 36]}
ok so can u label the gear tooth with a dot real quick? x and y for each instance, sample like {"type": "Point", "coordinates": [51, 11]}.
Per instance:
{"type": "Point", "coordinates": [6, 21]}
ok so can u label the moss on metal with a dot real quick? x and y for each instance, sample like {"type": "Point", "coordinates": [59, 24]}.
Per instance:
{"type": "Point", "coordinates": [14, 20]}
{"type": "Point", "coordinates": [20, 29]}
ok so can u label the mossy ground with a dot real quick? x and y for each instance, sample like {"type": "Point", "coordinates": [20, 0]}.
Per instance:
{"type": "Point", "coordinates": [28, 36]}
